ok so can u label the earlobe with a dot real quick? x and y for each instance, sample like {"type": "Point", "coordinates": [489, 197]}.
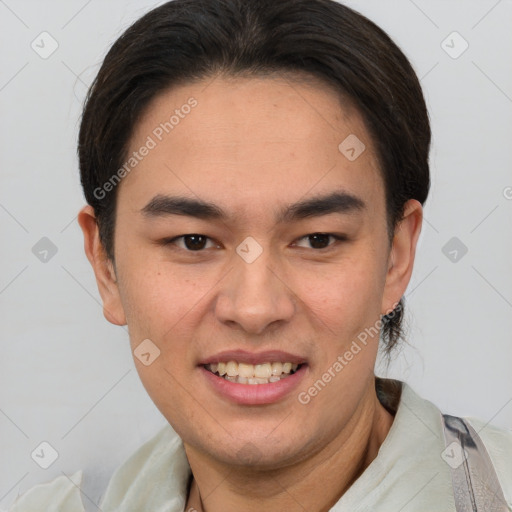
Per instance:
{"type": "Point", "coordinates": [402, 254]}
{"type": "Point", "coordinates": [103, 267]}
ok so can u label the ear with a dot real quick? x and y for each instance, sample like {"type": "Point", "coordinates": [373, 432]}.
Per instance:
{"type": "Point", "coordinates": [401, 257]}
{"type": "Point", "coordinates": [103, 267]}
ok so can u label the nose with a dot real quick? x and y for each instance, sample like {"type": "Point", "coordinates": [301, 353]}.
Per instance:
{"type": "Point", "coordinates": [255, 296]}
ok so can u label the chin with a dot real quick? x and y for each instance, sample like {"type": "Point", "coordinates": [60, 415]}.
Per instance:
{"type": "Point", "coordinates": [257, 453]}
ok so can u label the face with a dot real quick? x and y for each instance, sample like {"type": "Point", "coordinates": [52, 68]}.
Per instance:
{"type": "Point", "coordinates": [246, 240]}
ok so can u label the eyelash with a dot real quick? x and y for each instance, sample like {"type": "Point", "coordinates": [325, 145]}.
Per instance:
{"type": "Point", "coordinates": [337, 238]}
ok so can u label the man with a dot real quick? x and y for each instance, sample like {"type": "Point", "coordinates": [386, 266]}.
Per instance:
{"type": "Point", "coordinates": [255, 173]}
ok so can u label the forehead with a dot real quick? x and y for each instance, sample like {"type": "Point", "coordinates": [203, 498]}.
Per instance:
{"type": "Point", "coordinates": [265, 139]}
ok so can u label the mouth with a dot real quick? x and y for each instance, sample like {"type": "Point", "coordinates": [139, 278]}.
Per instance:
{"type": "Point", "coordinates": [254, 379]}
{"type": "Point", "coordinates": [253, 374]}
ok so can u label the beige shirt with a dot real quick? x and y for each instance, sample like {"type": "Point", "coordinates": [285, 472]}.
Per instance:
{"type": "Point", "coordinates": [408, 474]}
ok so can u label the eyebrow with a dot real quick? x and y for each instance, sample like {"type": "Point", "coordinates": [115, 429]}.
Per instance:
{"type": "Point", "coordinates": [335, 202]}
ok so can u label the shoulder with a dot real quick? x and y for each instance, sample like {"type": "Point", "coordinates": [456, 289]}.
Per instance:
{"type": "Point", "coordinates": [154, 461]}
{"type": "Point", "coordinates": [62, 494]}
{"type": "Point", "coordinates": [160, 464]}
{"type": "Point", "coordinates": [160, 452]}
{"type": "Point", "coordinates": [498, 443]}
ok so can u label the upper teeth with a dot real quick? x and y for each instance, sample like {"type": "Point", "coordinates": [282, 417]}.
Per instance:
{"type": "Point", "coordinates": [263, 371]}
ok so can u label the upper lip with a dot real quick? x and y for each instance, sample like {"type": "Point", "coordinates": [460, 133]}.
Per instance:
{"type": "Point", "coordinates": [242, 356]}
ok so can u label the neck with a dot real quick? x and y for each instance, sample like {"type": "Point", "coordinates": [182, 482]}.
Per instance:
{"type": "Point", "coordinates": [216, 487]}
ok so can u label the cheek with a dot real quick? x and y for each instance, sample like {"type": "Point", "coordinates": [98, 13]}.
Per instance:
{"type": "Point", "coordinates": [158, 298]}
{"type": "Point", "coordinates": [344, 297]}
{"type": "Point", "coordinates": [160, 304]}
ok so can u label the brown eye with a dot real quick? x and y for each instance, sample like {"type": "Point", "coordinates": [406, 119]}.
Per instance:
{"type": "Point", "coordinates": [320, 240]}
{"type": "Point", "coordinates": [194, 242]}
{"type": "Point", "coordinates": [191, 242]}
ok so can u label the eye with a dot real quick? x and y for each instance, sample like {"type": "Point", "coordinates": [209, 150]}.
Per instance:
{"type": "Point", "coordinates": [321, 240]}
{"type": "Point", "coordinates": [191, 242]}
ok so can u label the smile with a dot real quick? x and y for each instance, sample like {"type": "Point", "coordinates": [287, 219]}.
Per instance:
{"type": "Point", "coordinates": [244, 373]}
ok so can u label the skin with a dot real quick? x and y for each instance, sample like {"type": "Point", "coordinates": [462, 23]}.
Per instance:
{"type": "Point", "coordinates": [251, 146]}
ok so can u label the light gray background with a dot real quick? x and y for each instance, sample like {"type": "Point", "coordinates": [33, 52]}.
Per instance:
{"type": "Point", "coordinates": [67, 375]}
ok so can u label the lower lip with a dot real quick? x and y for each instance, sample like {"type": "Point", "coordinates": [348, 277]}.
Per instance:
{"type": "Point", "coordinates": [255, 394]}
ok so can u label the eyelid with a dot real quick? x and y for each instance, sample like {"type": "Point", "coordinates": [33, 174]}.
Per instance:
{"type": "Point", "coordinates": [337, 237]}
{"type": "Point", "coordinates": [171, 241]}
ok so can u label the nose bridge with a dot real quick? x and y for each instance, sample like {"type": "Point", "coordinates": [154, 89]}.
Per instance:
{"type": "Point", "coordinates": [253, 295]}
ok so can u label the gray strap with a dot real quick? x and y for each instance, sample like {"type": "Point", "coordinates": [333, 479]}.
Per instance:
{"type": "Point", "coordinates": [475, 484]}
